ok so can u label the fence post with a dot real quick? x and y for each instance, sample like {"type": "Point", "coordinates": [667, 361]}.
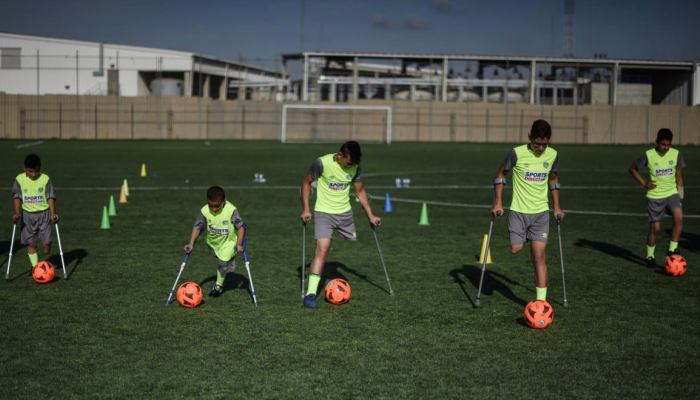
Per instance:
{"type": "Point", "coordinates": [452, 126]}
{"type": "Point", "coordinates": [22, 122]}
{"type": "Point", "coordinates": [95, 121]}
{"type": "Point", "coordinates": [60, 121]}
{"type": "Point", "coordinates": [170, 123]}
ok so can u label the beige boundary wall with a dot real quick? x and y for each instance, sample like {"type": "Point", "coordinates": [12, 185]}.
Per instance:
{"type": "Point", "coordinates": [111, 117]}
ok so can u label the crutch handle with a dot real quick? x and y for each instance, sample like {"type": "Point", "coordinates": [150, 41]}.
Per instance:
{"type": "Point", "coordinates": [559, 217]}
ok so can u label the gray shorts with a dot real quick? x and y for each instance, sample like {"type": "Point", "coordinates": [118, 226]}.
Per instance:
{"type": "Point", "coordinates": [343, 223]}
{"type": "Point", "coordinates": [656, 207]}
{"type": "Point", "coordinates": [528, 227]}
{"type": "Point", "coordinates": [36, 224]}
{"type": "Point", "coordinates": [223, 266]}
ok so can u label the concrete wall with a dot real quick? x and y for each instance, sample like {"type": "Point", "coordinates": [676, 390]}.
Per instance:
{"type": "Point", "coordinates": [112, 117]}
{"type": "Point", "coordinates": [634, 93]}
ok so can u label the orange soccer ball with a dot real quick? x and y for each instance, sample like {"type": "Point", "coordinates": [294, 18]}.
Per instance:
{"type": "Point", "coordinates": [676, 265]}
{"type": "Point", "coordinates": [338, 291]}
{"type": "Point", "coordinates": [538, 314]}
{"type": "Point", "coordinates": [43, 272]}
{"type": "Point", "coordinates": [189, 294]}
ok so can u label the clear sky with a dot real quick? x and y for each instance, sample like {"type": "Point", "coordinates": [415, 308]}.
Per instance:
{"type": "Point", "coordinates": [259, 31]}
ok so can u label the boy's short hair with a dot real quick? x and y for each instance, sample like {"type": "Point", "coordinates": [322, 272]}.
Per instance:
{"type": "Point", "coordinates": [540, 129]}
{"type": "Point", "coordinates": [664, 134]}
{"type": "Point", "coordinates": [32, 161]}
{"type": "Point", "coordinates": [215, 193]}
{"type": "Point", "coordinates": [352, 148]}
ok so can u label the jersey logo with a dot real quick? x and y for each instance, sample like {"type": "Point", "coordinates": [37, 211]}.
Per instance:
{"type": "Point", "coordinates": [217, 231]}
{"type": "Point", "coordinates": [546, 164]}
{"type": "Point", "coordinates": [337, 186]}
{"type": "Point", "coordinates": [670, 162]}
{"type": "Point", "coordinates": [41, 190]}
{"type": "Point", "coordinates": [663, 172]}
{"type": "Point", "coordinates": [348, 176]}
{"type": "Point", "coordinates": [33, 199]}
{"type": "Point", "coordinates": [225, 222]}
{"type": "Point", "coordinates": [530, 176]}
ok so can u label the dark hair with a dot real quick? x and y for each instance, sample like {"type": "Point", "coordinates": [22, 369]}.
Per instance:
{"type": "Point", "coordinates": [540, 129]}
{"type": "Point", "coordinates": [32, 161]}
{"type": "Point", "coordinates": [352, 148]}
{"type": "Point", "coordinates": [664, 134]}
{"type": "Point", "coordinates": [215, 193]}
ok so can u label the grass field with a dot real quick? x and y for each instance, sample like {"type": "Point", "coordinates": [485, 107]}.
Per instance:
{"type": "Point", "coordinates": [629, 332]}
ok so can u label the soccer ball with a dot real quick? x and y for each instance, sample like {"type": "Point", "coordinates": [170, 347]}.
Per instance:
{"type": "Point", "coordinates": [676, 265]}
{"type": "Point", "coordinates": [189, 294]}
{"type": "Point", "coordinates": [43, 272]}
{"type": "Point", "coordinates": [338, 291]}
{"type": "Point", "coordinates": [538, 314]}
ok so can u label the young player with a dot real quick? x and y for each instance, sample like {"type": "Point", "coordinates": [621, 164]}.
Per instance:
{"type": "Point", "coordinates": [34, 196]}
{"type": "Point", "coordinates": [664, 190]}
{"type": "Point", "coordinates": [535, 168]}
{"type": "Point", "coordinates": [334, 173]}
{"type": "Point", "coordinates": [225, 231]}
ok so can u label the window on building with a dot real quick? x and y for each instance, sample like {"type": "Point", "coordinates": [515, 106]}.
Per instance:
{"type": "Point", "coordinates": [10, 58]}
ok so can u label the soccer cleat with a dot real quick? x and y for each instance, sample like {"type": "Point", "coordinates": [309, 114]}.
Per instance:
{"type": "Point", "coordinates": [310, 301]}
{"type": "Point", "coordinates": [216, 291]}
{"type": "Point", "coordinates": [671, 253]}
{"type": "Point", "coordinates": [651, 263]}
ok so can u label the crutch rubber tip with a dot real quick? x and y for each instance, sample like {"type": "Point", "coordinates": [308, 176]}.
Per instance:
{"type": "Point", "coordinates": [476, 303]}
{"type": "Point", "coordinates": [7, 278]}
{"type": "Point", "coordinates": [566, 303]}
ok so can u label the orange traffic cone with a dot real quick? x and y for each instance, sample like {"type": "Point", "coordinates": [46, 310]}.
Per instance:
{"type": "Point", "coordinates": [122, 196]}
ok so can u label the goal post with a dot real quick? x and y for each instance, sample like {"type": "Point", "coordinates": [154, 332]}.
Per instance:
{"type": "Point", "coordinates": [331, 123]}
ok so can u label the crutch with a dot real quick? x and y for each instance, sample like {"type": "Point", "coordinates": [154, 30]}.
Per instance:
{"type": "Point", "coordinates": [12, 243]}
{"type": "Point", "coordinates": [561, 258]}
{"type": "Point", "coordinates": [60, 249]}
{"type": "Point", "coordinates": [371, 226]}
{"type": "Point", "coordinates": [182, 267]}
{"type": "Point", "coordinates": [303, 245]}
{"type": "Point", "coordinates": [250, 277]}
{"type": "Point", "coordinates": [483, 266]}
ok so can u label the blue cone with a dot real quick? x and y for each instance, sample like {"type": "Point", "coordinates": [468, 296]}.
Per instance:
{"type": "Point", "coordinates": [387, 204]}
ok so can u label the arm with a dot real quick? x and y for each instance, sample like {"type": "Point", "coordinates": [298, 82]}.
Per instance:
{"type": "Point", "coordinates": [239, 243]}
{"type": "Point", "coordinates": [362, 196]}
{"type": "Point", "coordinates": [554, 188]}
{"type": "Point", "coordinates": [679, 183]}
{"type": "Point", "coordinates": [635, 174]}
{"type": "Point", "coordinates": [193, 238]}
{"type": "Point", "coordinates": [497, 208]}
{"type": "Point", "coordinates": [52, 207]}
{"type": "Point", "coordinates": [18, 210]}
{"type": "Point", "coordinates": [305, 193]}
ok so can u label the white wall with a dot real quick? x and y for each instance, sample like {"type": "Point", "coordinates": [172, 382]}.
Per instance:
{"type": "Point", "coordinates": [696, 85]}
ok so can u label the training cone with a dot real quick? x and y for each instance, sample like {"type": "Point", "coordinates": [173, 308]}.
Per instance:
{"type": "Point", "coordinates": [112, 208]}
{"type": "Point", "coordinates": [122, 195]}
{"type": "Point", "coordinates": [424, 215]}
{"type": "Point", "coordinates": [126, 188]}
{"type": "Point", "coordinates": [387, 204]}
{"type": "Point", "coordinates": [105, 219]}
{"type": "Point", "coordinates": [143, 169]}
{"type": "Point", "coordinates": [483, 250]}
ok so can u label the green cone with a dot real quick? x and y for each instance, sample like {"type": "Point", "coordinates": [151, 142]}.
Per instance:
{"type": "Point", "coordinates": [424, 215]}
{"type": "Point", "coordinates": [105, 219]}
{"type": "Point", "coordinates": [112, 207]}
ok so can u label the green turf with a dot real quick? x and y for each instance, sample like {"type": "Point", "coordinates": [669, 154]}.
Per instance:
{"type": "Point", "coordinates": [629, 332]}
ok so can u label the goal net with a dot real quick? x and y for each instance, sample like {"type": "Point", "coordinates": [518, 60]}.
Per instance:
{"type": "Point", "coordinates": [327, 123]}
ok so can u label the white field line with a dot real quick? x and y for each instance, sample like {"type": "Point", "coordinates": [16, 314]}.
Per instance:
{"type": "Point", "coordinates": [21, 146]}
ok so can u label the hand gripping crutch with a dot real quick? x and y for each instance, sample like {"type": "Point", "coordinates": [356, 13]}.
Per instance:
{"type": "Point", "coordinates": [182, 267]}
{"type": "Point", "coordinates": [485, 257]}
{"type": "Point", "coordinates": [561, 257]}
{"type": "Point", "coordinates": [12, 243]}
{"type": "Point", "coordinates": [250, 277]}
{"type": "Point", "coordinates": [60, 249]}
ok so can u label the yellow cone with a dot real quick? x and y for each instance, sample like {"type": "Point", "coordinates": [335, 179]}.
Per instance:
{"type": "Point", "coordinates": [122, 196]}
{"type": "Point", "coordinates": [483, 250]}
{"type": "Point", "coordinates": [126, 188]}
{"type": "Point", "coordinates": [143, 169]}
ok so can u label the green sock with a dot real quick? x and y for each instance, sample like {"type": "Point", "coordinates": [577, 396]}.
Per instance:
{"type": "Point", "coordinates": [313, 284]}
{"type": "Point", "coordinates": [672, 246]}
{"type": "Point", "coordinates": [541, 293]}
{"type": "Point", "coordinates": [650, 251]}
{"type": "Point", "coordinates": [33, 258]}
{"type": "Point", "coordinates": [220, 278]}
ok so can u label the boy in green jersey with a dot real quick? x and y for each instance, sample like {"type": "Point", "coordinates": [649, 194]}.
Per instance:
{"type": "Point", "coordinates": [225, 231]}
{"type": "Point", "coordinates": [334, 173]}
{"type": "Point", "coordinates": [664, 190]}
{"type": "Point", "coordinates": [535, 169]}
{"type": "Point", "coordinates": [34, 197]}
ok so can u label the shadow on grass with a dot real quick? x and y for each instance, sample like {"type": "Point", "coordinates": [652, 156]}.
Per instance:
{"type": "Point", "coordinates": [233, 281]}
{"type": "Point", "coordinates": [333, 269]}
{"type": "Point", "coordinates": [611, 250]}
{"type": "Point", "coordinates": [689, 241]}
{"type": "Point", "coordinates": [74, 255]}
{"type": "Point", "coordinates": [493, 282]}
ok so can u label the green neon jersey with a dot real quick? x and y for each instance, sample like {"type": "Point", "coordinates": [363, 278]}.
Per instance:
{"type": "Point", "coordinates": [34, 194]}
{"type": "Point", "coordinates": [531, 179]}
{"type": "Point", "coordinates": [334, 186]}
{"type": "Point", "coordinates": [222, 236]}
{"type": "Point", "coordinates": [662, 170]}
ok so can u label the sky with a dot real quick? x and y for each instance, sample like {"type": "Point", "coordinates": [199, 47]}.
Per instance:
{"type": "Point", "coordinates": [259, 32]}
